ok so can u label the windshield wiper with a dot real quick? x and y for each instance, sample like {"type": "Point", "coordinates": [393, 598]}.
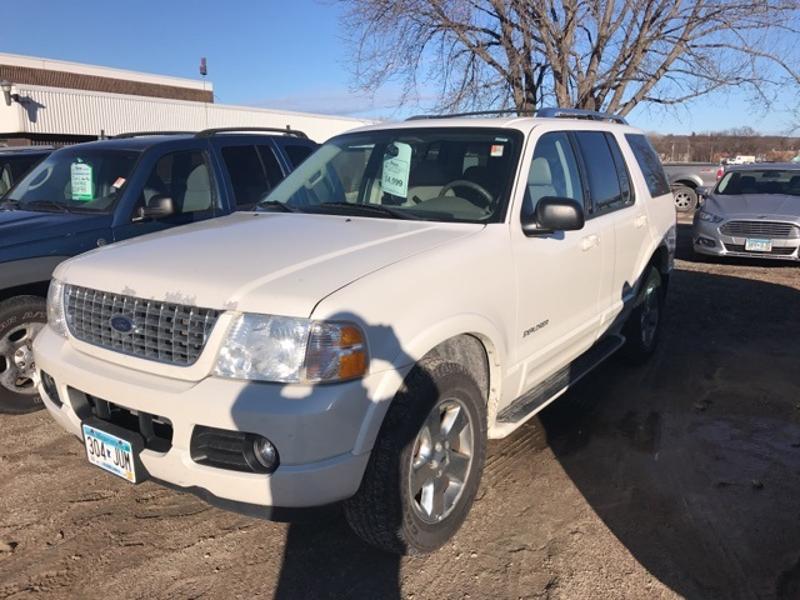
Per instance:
{"type": "Point", "coordinates": [9, 203]}
{"type": "Point", "coordinates": [268, 204]}
{"type": "Point", "coordinates": [372, 209]}
{"type": "Point", "coordinates": [45, 203]}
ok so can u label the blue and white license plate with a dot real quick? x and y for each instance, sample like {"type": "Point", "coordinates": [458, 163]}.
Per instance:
{"type": "Point", "coordinates": [757, 245]}
{"type": "Point", "coordinates": [109, 452]}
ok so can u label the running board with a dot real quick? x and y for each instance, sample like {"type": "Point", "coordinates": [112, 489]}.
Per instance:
{"type": "Point", "coordinates": [528, 404]}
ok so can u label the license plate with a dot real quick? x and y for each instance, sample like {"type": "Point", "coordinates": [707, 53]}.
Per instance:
{"type": "Point", "coordinates": [109, 452]}
{"type": "Point", "coordinates": [756, 245]}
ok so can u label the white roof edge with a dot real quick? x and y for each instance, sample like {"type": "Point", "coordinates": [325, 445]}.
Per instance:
{"type": "Point", "coordinates": [33, 62]}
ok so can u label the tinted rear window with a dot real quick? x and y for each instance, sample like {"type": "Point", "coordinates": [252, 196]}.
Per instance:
{"type": "Point", "coordinates": [297, 154]}
{"type": "Point", "coordinates": [649, 163]}
{"type": "Point", "coordinates": [600, 168]}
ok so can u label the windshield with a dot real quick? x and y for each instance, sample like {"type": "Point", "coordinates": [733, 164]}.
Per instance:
{"type": "Point", "coordinates": [447, 174]}
{"type": "Point", "coordinates": [75, 179]}
{"type": "Point", "coordinates": [766, 181]}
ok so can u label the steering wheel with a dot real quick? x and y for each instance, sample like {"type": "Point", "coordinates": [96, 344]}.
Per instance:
{"type": "Point", "coordinates": [471, 185]}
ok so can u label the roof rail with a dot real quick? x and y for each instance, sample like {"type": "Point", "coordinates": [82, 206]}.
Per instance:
{"type": "Point", "coordinates": [579, 113]}
{"type": "Point", "coordinates": [134, 134]}
{"type": "Point", "coordinates": [216, 130]}
{"type": "Point", "coordinates": [477, 113]}
{"type": "Point", "coordinates": [552, 112]}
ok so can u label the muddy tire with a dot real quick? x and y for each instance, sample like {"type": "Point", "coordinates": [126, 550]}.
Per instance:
{"type": "Point", "coordinates": [426, 465]}
{"type": "Point", "coordinates": [21, 318]}
{"type": "Point", "coordinates": [685, 198]}
{"type": "Point", "coordinates": [643, 327]}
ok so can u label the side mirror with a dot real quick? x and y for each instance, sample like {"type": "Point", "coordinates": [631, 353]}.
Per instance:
{"type": "Point", "coordinates": [554, 214]}
{"type": "Point", "coordinates": [159, 207]}
{"type": "Point", "coordinates": [702, 191]}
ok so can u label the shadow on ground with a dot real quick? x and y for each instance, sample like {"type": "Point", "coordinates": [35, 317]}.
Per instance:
{"type": "Point", "coordinates": [693, 461]}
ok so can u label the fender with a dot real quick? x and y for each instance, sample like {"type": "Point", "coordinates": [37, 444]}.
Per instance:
{"type": "Point", "coordinates": [29, 270]}
{"type": "Point", "coordinates": [383, 386]}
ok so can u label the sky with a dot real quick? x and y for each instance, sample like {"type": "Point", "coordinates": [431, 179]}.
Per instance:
{"type": "Point", "coordinates": [271, 53]}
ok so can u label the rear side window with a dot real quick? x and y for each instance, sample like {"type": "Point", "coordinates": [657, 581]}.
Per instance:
{"type": "Point", "coordinates": [246, 173]}
{"type": "Point", "coordinates": [649, 163]}
{"type": "Point", "coordinates": [271, 166]}
{"type": "Point", "coordinates": [297, 154]}
{"type": "Point", "coordinates": [622, 170]}
{"type": "Point", "coordinates": [601, 171]}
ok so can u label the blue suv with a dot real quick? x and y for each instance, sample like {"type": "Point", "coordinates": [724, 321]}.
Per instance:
{"type": "Point", "coordinates": [89, 195]}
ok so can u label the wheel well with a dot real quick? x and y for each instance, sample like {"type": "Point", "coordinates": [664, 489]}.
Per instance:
{"type": "Point", "coordinates": [30, 289]}
{"type": "Point", "coordinates": [685, 182]}
{"type": "Point", "coordinates": [470, 352]}
{"type": "Point", "coordinates": [660, 260]}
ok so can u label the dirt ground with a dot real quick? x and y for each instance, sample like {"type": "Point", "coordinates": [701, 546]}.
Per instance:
{"type": "Point", "coordinates": [678, 479]}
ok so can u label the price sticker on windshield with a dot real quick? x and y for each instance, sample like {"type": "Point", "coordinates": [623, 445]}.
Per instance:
{"type": "Point", "coordinates": [81, 181]}
{"type": "Point", "coordinates": [396, 169]}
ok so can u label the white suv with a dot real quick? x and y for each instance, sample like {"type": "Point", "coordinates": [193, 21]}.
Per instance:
{"type": "Point", "coordinates": [408, 292]}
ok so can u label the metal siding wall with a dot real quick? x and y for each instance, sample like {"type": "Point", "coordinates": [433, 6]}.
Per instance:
{"type": "Point", "coordinates": [75, 112]}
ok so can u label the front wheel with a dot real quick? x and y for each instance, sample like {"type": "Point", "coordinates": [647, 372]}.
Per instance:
{"type": "Point", "coordinates": [643, 328]}
{"type": "Point", "coordinates": [426, 466]}
{"type": "Point", "coordinates": [21, 318]}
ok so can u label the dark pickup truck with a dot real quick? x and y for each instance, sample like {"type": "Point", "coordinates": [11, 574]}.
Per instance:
{"type": "Point", "coordinates": [97, 193]}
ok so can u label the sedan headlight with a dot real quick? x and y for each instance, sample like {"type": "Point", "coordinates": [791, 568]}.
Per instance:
{"type": "Point", "coordinates": [709, 217]}
{"type": "Point", "coordinates": [289, 350]}
{"type": "Point", "coordinates": [56, 317]}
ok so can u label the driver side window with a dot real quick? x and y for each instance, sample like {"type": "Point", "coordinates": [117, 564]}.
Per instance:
{"type": "Point", "coordinates": [183, 176]}
{"type": "Point", "coordinates": [553, 172]}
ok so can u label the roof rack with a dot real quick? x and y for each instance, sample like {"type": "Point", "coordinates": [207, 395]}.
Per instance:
{"type": "Point", "coordinates": [551, 112]}
{"type": "Point", "coordinates": [477, 113]}
{"type": "Point", "coordinates": [216, 130]}
{"type": "Point", "coordinates": [579, 113]}
{"type": "Point", "coordinates": [134, 134]}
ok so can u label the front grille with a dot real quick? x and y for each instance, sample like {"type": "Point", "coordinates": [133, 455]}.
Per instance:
{"type": "Point", "coordinates": [161, 331]}
{"type": "Point", "coordinates": [776, 251]}
{"type": "Point", "coordinates": [766, 229]}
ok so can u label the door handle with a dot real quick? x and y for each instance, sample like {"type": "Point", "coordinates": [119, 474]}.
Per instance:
{"type": "Point", "coordinates": [640, 221]}
{"type": "Point", "coordinates": [589, 242]}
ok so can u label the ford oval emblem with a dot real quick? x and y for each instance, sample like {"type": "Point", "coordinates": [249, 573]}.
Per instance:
{"type": "Point", "coordinates": [121, 324]}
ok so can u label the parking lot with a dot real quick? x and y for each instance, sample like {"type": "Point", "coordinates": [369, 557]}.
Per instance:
{"type": "Point", "coordinates": [677, 479]}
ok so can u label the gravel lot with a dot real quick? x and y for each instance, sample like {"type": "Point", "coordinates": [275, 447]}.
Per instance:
{"type": "Point", "coordinates": [678, 479]}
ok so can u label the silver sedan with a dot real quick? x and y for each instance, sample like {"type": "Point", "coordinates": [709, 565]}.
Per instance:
{"type": "Point", "coordinates": [754, 211]}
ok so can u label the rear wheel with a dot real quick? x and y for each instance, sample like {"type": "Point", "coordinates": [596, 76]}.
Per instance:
{"type": "Point", "coordinates": [426, 465]}
{"type": "Point", "coordinates": [21, 318]}
{"type": "Point", "coordinates": [685, 198]}
{"type": "Point", "coordinates": [643, 328]}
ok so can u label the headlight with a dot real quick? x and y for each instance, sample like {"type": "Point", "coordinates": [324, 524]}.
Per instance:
{"type": "Point", "coordinates": [289, 350]}
{"type": "Point", "coordinates": [56, 317]}
{"type": "Point", "coordinates": [709, 217]}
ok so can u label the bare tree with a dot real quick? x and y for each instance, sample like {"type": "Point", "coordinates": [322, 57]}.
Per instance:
{"type": "Point", "coordinates": [598, 54]}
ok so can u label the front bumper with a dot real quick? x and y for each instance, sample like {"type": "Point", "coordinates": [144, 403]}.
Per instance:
{"type": "Point", "coordinates": [315, 428]}
{"type": "Point", "coordinates": [709, 240]}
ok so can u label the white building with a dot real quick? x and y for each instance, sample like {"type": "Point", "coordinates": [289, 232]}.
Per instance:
{"type": "Point", "coordinates": [49, 101]}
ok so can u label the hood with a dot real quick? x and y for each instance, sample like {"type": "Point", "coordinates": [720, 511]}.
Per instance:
{"type": "Point", "coordinates": [272, 263]}
{"type": "Point", "coordinates": [24, 227]}
{"type": "Point", "coordinates": [754, 206]}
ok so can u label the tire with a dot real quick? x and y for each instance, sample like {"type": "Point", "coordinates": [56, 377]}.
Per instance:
{"type": "Point", "coordinates": [642, 330]}
{"type": "Point", "coordinates": [685, 198]}
{"type": "Point", "coordinates": [21, 318]}
{"type": "Point", "coordinates": [385, 512]}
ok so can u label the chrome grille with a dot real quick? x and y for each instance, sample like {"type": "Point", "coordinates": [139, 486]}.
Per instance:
{"type": "Point", "coordinates": [162, 331]}
{"type": "Point", "coordinates": [767, 229]}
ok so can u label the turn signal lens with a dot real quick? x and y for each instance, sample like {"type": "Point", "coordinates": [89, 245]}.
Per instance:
{"type": "Point", "coordinates": [336, 352]}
